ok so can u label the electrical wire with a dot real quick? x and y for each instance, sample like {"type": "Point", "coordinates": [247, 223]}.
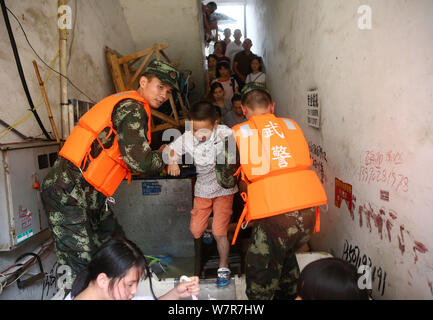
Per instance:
{"type": "Point", "coordinates": [38, 104]}
{"type": "Point", "coordinates": [2, 283]}
{"type": "Point", "coordinates": [24, 268]}
{"type": "Point", "coordinates": [25, 35]}
{"type": "Point", "coordinates": [19, 277]}
{"type": "Point", "coordinates": [20, 68]}
{"type": "Point", "coordinates": [149, 275]}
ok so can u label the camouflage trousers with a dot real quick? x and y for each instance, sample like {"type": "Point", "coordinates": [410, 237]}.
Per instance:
{"type": "Point", "coordinates": [272, 270]}
{"type": "Point", "coordinates": [77, 231]}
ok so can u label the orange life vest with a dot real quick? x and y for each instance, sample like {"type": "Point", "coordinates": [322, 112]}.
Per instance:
{"type": "Point", "coordinates": [275, 159]}
{"type": "Point", "coordinates": [107, 170]}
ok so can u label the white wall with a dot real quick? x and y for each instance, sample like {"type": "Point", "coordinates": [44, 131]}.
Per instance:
{"type": "Point", "coordinates": [375, 93]}
{"type": "Point", "coordinates": [99, 23]}
{"type": "Point", "coordinates": [177, 22]}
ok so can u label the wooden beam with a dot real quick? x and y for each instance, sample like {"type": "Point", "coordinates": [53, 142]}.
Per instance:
{"type": "Point", "coordinates": [142, 53]}
{"type": "Point", "coordinates": [127, 73]}
{"type": "Point", "coordinates": [139, 70]}
{"type": "Point", "coordinates": [165, 126]}
{"type": "Point", "coordinates": [164, 117]}
{"type": "Point", "coordinates": [184, 111]}
{"type": "Point", "coordinates": [173, 107]}
{"type": "Point", "coordinates": [117, 74]}
{"type": "Point", "coordinates": [165, 56]}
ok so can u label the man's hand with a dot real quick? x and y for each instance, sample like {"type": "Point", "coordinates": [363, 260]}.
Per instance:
{"type": "Point", "coordinates": [173, 169]}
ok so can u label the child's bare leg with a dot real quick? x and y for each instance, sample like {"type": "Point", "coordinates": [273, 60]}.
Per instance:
{"type": "Point", "coordinates": [223, 250]}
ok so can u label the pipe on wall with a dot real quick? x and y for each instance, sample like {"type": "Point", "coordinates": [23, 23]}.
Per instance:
{"type": "Point", "coordinates": [64, 104]}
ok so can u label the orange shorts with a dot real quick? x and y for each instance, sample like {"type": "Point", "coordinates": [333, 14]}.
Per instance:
{"type": "Point", "coordinates": [222, 208]}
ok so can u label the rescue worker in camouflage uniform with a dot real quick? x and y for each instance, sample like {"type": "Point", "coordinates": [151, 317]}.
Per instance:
{"type": "Point", "coordinates": [272, 269]}
{"type": "Point", "coordinates": [78, 214]}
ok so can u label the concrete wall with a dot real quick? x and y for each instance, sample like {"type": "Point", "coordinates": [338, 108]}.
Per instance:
{"type": "Point", "coordinates": [98, 23]}
{"type": "Point", "coordinates": [177, 22]}
{"type": "Point", "coordinates": [376, 134]}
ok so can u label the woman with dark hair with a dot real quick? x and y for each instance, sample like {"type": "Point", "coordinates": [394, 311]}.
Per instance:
{"type": "Point", "coordinates": [330, 279]}
{"type": "Point", "coordinates": [230, 85]}
{"type": "Point", "coordinates": [114, 273]}
{"type": "Point", "coordinates": [211, 70]}
{"type": "Point", "coordinates": [219, 52]}
{"type": "Point", "coordinates": [216, 97]}
{"type": "Point", "coordinates": [257, 74]}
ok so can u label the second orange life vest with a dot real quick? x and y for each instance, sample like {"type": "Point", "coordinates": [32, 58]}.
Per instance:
{"type": "Point", "coordinates": [106, 171]}
{"type": "Point", "coordinates": [275, 162]}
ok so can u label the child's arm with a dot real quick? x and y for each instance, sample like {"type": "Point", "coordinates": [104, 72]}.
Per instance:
{"type": "Point", "coordinates": [172, 154]}
{"type": "Point", "coordinates": [173, 168]}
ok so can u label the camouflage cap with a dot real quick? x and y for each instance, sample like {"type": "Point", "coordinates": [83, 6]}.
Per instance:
{"type": "Point", "coordinates": [251, 86]}
{"type": "Point", "coordinates": [165, 72]}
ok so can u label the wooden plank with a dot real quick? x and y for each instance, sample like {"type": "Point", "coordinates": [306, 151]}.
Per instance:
{"type": "Point", "coordinates": [164, 117]}
{"type": "Point", "coordinates": [127, 73]}
{"type": "Point", "coordinates": [142, 53]}
{"type": "Point", "coordinates": [165, 56]}
{"type": "Point", "coordinates": [161, 127]}
{"type": "Point", "coordinates": [117, 75]}
{"type": "Point", "coordinates": [156, 49]}
{"type": "Point", "coordinates": [165, 126]}
{"type": "Point", "coordinates": [182, 105]}
{"type": "Point", "coordinates": [139, 70]}
{"type": "Point", "coordinates": [152, 123]}
{"type": "Point", "coordinates": [136, 56]}
{"type": "Point", "coordinates": [173, 107]}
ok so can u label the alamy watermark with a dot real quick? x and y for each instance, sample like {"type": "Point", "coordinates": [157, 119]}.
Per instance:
{"type": "Point", "coordinates": [65, 17]}
{"type": "Point", "coordinates": [364, 281]}
{"type": "Point", "coordinates": [64, 280]}
{"type": "Point", "coordinates": [365, 18]}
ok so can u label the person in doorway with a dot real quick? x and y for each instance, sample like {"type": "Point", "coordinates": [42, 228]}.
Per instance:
{"type": "Point", "coordinates": [210, 24]}
{"type": "Point", "coordinates": [330, 279]}
{"type": "Point", "coordinates": [111, 141]}
{"type": "Point", "coordinates": [226, 40]}
{"type": "Point", "coordinates": [286, 220]}
{"type": "Point", "coordinates": [218, 51]}
{"type": "Point", "coordinates": [201, 144]}
{"type": "Point", "coordinates": [235, 115]}
{"type": "Point", "coordinates": [257, 74]}
{"type": "Point", "coordinates": [229, 83]}
{"type": "Point", "coordinates": [216, 97]}
{"type": "Point", "coordinates": [211, 71]}
{"type": "Point", "coordinates": [114, 272]}
{"type": "Point", "coordinates": [242, 63]}
{"type": "Point", "coordinates": [234, 47]}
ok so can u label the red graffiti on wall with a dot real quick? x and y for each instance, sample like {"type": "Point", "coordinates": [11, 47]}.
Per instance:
{"type": "Point", "coordinates": [420, 248]}
{"type": "Point", "coordinates": [380, 168]}
{"type": "Point", "coordinates": [343, 191]}
{"type": "Point", "coordinates": [378, 219]}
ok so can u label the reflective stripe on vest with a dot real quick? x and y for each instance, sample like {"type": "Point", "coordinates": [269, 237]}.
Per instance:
{"type": "Point", "coordinates": [107, 170]}
{"type": "Point", "coordinates": [275, 159]}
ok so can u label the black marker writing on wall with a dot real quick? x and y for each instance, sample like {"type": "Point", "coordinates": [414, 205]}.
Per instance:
{"type": "Point", "coordinates": [352, 254]}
